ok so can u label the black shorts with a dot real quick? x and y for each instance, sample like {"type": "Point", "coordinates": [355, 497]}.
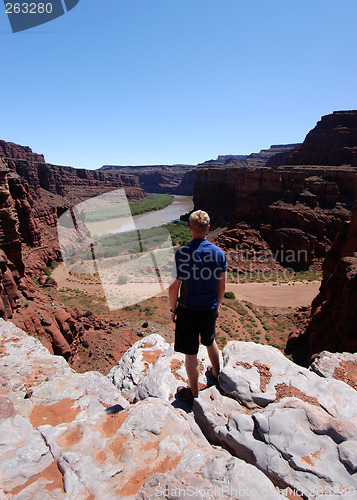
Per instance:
{"type": "Point", "coordinates": [190, 325]}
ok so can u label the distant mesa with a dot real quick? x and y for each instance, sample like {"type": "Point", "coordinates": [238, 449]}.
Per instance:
{"type": "Point", "coordinates": [261, 159]}
{"type": "Point", "coordinates": [224, 158]}
{"type": "Point", "coordinates": [175, 179]}
{"type": "Point", "coordinates": [180, 179]}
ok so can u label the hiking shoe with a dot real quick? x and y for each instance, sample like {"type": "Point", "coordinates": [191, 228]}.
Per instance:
{"type": "Point", "coordinates": [185, 394]}
{"type": "Point", "coordinates": [209, 372]}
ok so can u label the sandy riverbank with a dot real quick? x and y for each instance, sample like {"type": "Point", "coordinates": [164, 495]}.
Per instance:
{"type": "Point", "coordinates": [292, 294]}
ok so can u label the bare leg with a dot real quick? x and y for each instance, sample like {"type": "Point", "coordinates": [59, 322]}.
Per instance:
{"type": "Point", "coordinates": [192, 372]}
{"type": "Point", "coordinates": [213, 354]}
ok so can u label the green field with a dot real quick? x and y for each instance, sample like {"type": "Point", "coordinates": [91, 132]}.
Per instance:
{"type": "Point", "coordinates": [154, 201]}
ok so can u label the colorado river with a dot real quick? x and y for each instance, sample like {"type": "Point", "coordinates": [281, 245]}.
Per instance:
{"type": "Point", "coordinates": [181, 205]}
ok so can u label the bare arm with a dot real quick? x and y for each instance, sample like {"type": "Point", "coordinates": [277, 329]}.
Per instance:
{"type": "Point", "coordinates": [221, 288]}
{"type": "Point", "coordinates": [174, 289]}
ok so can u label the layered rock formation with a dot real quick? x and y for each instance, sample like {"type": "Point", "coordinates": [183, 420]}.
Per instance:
{"type": "Point", "coordinates": [332, 142]}
{"type": "Point", "coordinates": [180, 179]}
{"type": "Point", "coordinates": [33, 195]}
{"type": "Point", "coordinates": [334, 314]}
{"type": "Point", "coordinates": [296, 210]}
{"type": "Point", "coordinates": [276, 152]}
{"type": "Point", "coordinates": [12, 150]}
{"type": "Point", "coordinates": [175, 179]}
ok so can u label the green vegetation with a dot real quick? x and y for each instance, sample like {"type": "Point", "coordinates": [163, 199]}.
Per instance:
{"type": "Point", "coordinates": [229, 295]}
{"type": "Point", "coordinates": [122, 279]}
{"type": "Point", "coordinates": [254, 336]}
{"type": "Point", "coordinates": [239, 308]}
{"type": "Point", "coordinates": [131, 242]}
{"type": "Point", "coordinates": [221, 341]}
{"type": "Point", "coordinates": [266, 326]}
{"type": "Point", "coordinates": [154, 201]}
{"type": "Point", "coordinates": [145, 240]}
{"type": "Point", "coordinates": [47, 271]}
{"type": "Point", "coordinates": [133, 307]}
{"type": "Point", "coordinates": [307, 276]}
{"type": "Point", "coordinates": [179, 232]}
{"type": "Point", "coordinates": [275, 278]}
{"type": "Point", "coordinates": [225, 328]}
{"type": "Point", "coordinates": [147, 310]}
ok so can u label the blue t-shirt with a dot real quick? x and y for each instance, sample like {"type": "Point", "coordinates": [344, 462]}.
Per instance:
{"type": "Point", "coordinates": [199, 265]}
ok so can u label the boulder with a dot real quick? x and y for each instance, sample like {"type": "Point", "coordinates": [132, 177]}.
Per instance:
{"type": "Point", "coordinates": [297, 427]}
{"type": "Point", "coordinates": [338, 365]}
{"type": "Point", "coordinates": [151, 367]}
{"type": "Point", "coordinates": [258, 375]}
{"type": "Point", "coordinates": [59, 343]}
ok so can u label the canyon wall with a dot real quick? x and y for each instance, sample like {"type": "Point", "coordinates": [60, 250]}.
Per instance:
{"type": "Point", "coordinates": [293, 209]}
{"type": "Point", "coordinates": [38, 193]}
{"type": "Point", "coordinates": [32, 196]}
{"type": "Point", "coordinates": [175, 179]}
{"type": "Point", "coordinates": [180, 179]}
{"type": "Point", "coordinates": [333, 325]}
{"type": "Point", "coordinates": [254, 159]}
{"type": "Point", "coordinates": [332, 142]}
{"type": "Point", "coordinates": [297, 208]}
{"type": "Point", "coordinates": [12, 150]}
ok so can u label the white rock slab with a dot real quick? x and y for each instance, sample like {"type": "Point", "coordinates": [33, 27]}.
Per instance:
{"type": "Point", "coordinates": [76, 437]}
{"type": "Point", "coordinates": [303, 436]}
{"type": "Point", "coordinates": [327, 362]}
{"type": "Point", "coordinates": [258, 375]}
{"type": "Point", "coordinates": [151, 367]}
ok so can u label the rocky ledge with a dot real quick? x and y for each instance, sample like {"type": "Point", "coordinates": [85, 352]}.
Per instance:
{"type": "Point", "coordinates": [271, 426]}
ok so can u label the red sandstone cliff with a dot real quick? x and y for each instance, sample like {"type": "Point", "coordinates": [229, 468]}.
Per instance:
{"type": "Point", "coordinates": [176, 179]}
{"type": "Point", "coordinates": [12, 150]}
{"type": "Point", "coordinates": [294, 208]}
{"type": "Point", "coordinates": [297, 208]}
{"type": "Point", "coordinates": [33, 195]}
{"type": "Point", "coordinates": [332, 142]}
{"type": "Point", "coordinates": [333, 326]}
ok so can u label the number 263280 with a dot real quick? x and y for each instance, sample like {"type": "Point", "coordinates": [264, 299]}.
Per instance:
{"type": "Point", "coordinates": [28, 8]}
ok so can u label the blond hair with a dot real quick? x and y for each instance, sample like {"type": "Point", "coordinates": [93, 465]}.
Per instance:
{"type": "Point", "coordinates": [199, 221]}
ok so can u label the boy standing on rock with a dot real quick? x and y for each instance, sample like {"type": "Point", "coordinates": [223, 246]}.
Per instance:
{"type": "Point", "coordinates": [195, 297]}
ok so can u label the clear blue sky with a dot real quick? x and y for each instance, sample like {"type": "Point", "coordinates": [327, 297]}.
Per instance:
{"type": "Point", "coordinates": [175, 81]}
